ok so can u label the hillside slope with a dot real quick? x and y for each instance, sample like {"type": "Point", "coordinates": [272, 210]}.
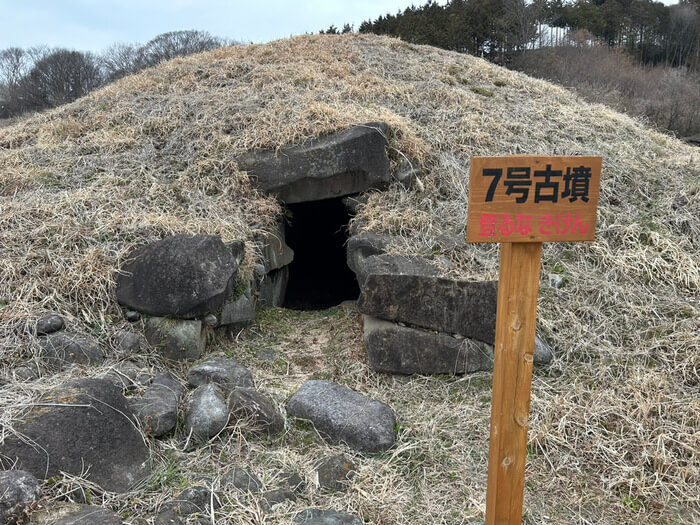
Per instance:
{"type": "Point", "coordinates": [615, 420]}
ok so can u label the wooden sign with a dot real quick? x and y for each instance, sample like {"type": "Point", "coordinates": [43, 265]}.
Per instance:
{"type": "Point", "coordinates": [522, 201]}
{"type": "Point", "coordinates": [533, 198]}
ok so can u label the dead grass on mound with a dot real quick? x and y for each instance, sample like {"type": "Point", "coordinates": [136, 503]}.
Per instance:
{"type": "Point", "coordinates": [615, 423]}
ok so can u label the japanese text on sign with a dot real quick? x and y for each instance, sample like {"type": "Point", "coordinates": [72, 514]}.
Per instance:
{"type": "Point", "coordinates": [533, 198]}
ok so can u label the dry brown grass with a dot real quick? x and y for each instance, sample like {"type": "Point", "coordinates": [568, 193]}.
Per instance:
{"type": "Point", "coordinates": [615, 423]}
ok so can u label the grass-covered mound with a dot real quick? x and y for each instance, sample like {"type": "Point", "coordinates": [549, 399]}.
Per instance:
{"type": "Point", "coordinates": [614, 425]}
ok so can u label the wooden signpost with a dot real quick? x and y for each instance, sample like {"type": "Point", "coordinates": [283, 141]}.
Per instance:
{"type": "Point", "coordinates": [522, 201]}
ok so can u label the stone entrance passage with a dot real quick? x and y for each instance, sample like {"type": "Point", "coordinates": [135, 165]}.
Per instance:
{"type": "Point", "coordinates": [310, 179]}
{"type": "Point", "coordinates": [319, 276]}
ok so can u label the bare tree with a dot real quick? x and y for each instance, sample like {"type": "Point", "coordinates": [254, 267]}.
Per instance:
{"type": "Point", "coordinates": [120, 60]}
{"type": "Point", "coordinates": [60, 77]}
{"type": "Point", "coordinates": [177, 43]}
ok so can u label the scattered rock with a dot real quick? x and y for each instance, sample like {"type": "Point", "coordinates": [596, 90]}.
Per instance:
{"type": "Point", "coordinates": [409, 176]}
{"type": "Point", "coordinates": [193, 499]}
{"type": "Point", "coordinates": [157, 408]}
{"type": "Point", "coordinates": [177, 339]}
{"type": "Point", "coordinates": [83, 426]}
{"type": "Point", "coordinates": [65, 348]}
{"type": "Point", "coordinates": [18, 490]}
{"type": "Point", "coordinates": [293, 481]}
{"type": "Point", "coordinates": [266, 354]}
{"type": "Point", "coordinates": [556, 280]}
{"type": "Point", "coordinates": [448, 240]}
{"type": "Point", "coordinates": [347, 162]}
{"type": "Point", "coordinates": [225, 372]}
{"type": "Point", "coordinates": [352, 203]}
{"type": "Point", "coordinates": [24, 373]}
{"type": "Point", "coordinates": [73, 514]}
{"type": "Point", "coordinates": [167, 517]}
{"type": "Point", "coordinates": [344, 416]}
{"type": "Point", "coordinates": [277, 496]}
{"type": "Point", "coordinates": [250, 404]}
{"type": "Point", "coordinates": [543, 352]}
{"type": "Point", "coordinates": [397, 265]}
{"type": "Point", "coordinates": [127, 376]}
{"type": "Point", "coordinates": [127, 342]}
{"type": "Point", "coordinates": [49, 323]}
{"type": "Point", "coordinates": [184, 276]}
{"type": "Point", "coordinates": [325, 517]}
{"type": "Point", "coordinates": [455, 307]}
{"type": "Point", "coordinates": [211, 320]}
{"type": "Point", "coordinates": [402, 350]}
{"type": "Point", "coordinates": [206, 413]}
{"type": "Point", "coordinates": [242, 479]}
{"type": "Point", "coordinates": [273, 288]}
{"type": "Point", "coordinates": [132, 316]}
{"type": "Point", "coordinates": [334, 473]}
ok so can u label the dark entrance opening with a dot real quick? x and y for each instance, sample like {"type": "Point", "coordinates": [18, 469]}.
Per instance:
{"type": "Point", "coordinates": [319, 276]}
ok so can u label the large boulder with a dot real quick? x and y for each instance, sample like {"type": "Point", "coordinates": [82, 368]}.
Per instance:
{"type": "Point", "coordinates": [455, 307]}
{"type": "Point", "coordinates": [84, 427]}
{"type": "Point", "coordinates": [347, 162]}
{"type": "Point", "coordinates": [344, 416]}
{"type": "Point", "coordinates": [184, 276]}
{"type": "Point", "coordinates": [404, 350]}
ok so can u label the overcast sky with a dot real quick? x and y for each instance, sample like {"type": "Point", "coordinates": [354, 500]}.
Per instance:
{"type": "Point", "coordinates": [93, 25]}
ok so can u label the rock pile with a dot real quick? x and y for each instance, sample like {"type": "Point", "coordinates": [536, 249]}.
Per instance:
{"type": "Point", "coordinates": [88, 428]}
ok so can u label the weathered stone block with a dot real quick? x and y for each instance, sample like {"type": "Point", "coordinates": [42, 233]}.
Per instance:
{"type": "Point", "coordinates": [454, 307]}
{"type": "Point", "coordinates": [177, 339]}
{"type": "Point", "coordinates": [325, 517]}
{"type": "Point", "coordinates": [394, 265]}
{"type": "Point", "coordinates": [347, 162]}
{"type": "Point", "coordinates": [273, 288]}
{"type": "Point", "coordinates": [275, 252]}
{"type": "Point", "coordinates": [157, 408]}
{"type": "Point", "coordinates": [403, 350]}
{"type": "Point", "coordinates": [365, 245]}
{"type": "Point", "coordinates": [240, 310]}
